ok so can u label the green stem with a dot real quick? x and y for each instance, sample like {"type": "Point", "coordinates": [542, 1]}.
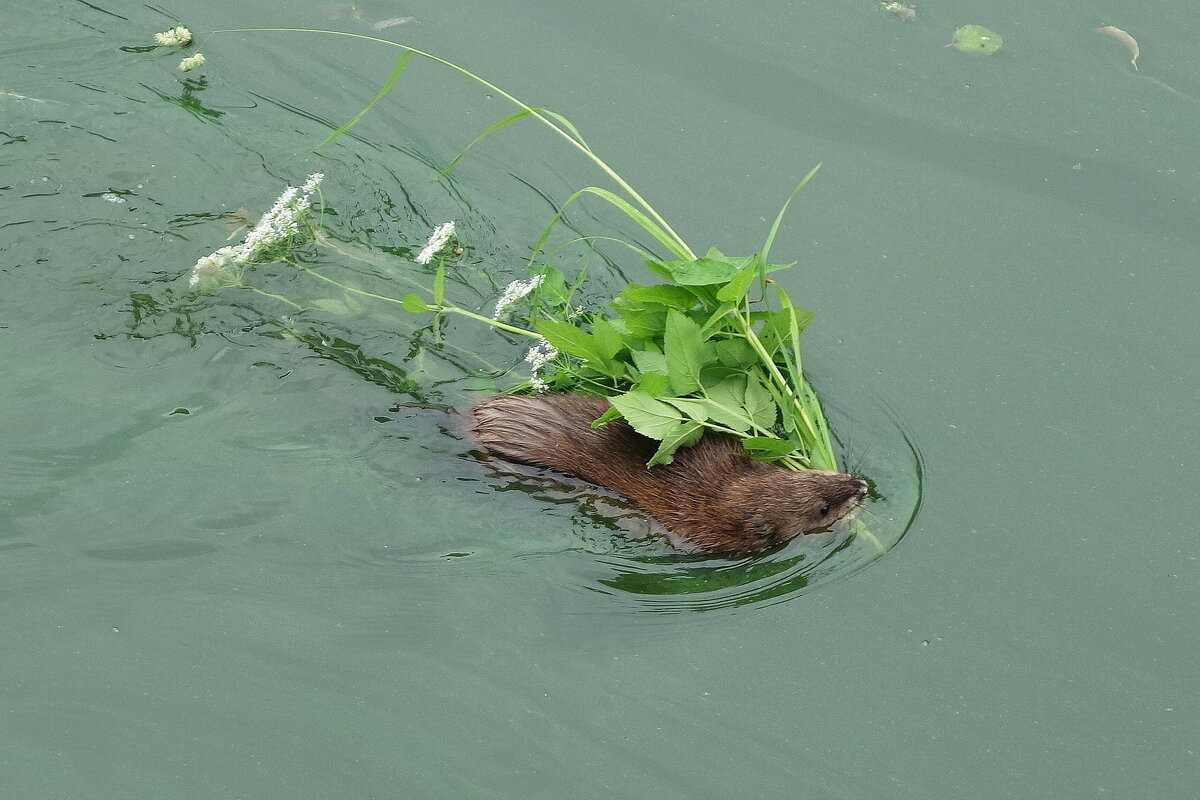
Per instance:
{"type": "Point", "coordinates": [277, 297]}
{"type": "Point", "coordinates": [574, 142]}
{"type": "Point", "coordinates": [495, 323]}
{"type": "Point", "coordinates": [817, 445]}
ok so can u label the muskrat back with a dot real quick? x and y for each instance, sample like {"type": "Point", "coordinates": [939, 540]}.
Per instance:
{"type": "Point", "coordinates": [713, 494]}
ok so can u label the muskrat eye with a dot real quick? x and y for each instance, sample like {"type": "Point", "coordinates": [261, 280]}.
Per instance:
{"type": "Point", "coordinates": [824, 510]}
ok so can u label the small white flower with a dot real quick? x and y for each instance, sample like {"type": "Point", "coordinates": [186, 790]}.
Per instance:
{"type": "Point", "coordinates": [437, 240]}
{"type": "Point", "coordinates": [538, 357]}
{"type": "Point", "coordinates": [176, 36]}
{"type": "Point", "coordinates": [191, 62]}
{"type": "Point", "coordinates": [283, 220]}
{"type": "Point", "coordinates": [312, 183]}
{"type": "Point", "coordinates": [515, 291]}
{"type": "Point", "coordinates": [277, 226]}
{"type": "Point", "coordinates": [208, 268]}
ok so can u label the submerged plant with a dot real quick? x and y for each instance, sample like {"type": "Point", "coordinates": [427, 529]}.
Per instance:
{"type": "Point", "coordinates": [715, 346]}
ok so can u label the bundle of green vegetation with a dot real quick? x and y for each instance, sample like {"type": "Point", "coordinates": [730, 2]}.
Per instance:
{"type": "Point", "coordinates": [714, 347]}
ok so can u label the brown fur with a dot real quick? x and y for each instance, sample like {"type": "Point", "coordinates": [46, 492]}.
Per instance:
{"type": "Point", "coordinates": [712, 495]}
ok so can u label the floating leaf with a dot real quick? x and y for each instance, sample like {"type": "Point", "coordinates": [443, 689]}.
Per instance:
{"type": "Point", "coordinates": [976, 39]}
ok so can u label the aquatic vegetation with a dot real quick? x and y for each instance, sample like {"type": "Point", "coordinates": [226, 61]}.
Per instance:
{"type": "Point", "coordinates": [715, 345]}
{"type": "Point", "coordinates": [976, 39]}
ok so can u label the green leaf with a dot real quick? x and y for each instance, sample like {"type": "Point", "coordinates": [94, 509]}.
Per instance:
{"type": "Point", "coordinates": [608, 416]}
{"type": "Point", "coordinates": [413, 304]}
{"type": "Point", "coordinates": [793, 329]}
{"type": "Point", "coordinates": [766, 248]}
{"type": "Point", "coordinates": [665, 237]}
{"type": "Point", "coordinates": [683, 435]}
{"type": "Point", "coordinates": [686, 352]}
{"type": "Point", "coordinates": [646, 415]}
{"type": "Point", "coordinates": [663, 294]}
{"type": "Point", "coordinates": [655, 384]}
{"type": "Point", "coordinates": [736, 353]}
{"type": "Point", "coordinates": [717, 319]}
{"type": "Point", "coordinates": [769, 444]}
{"type": "Point", "coordinates": [694, 409]}
{"type": "Point", "coordinates": [511, 118]}
{"type": "Point", "coordinates": [739, 285]}
{"type": "Point", "coordinates": [383, 91]}
{"type": "Point", "coordinates": [574, 341]}
{"type": "Point", "coordinates": [607, 337]}
{"type": "Point", "coordinates": [700, 271]}
{"type": "Point", "coordinates": [728, 403]}
{"type": "Point", "coordinates": [760, 403]}
{"type": "Point", "coordinates": [640, 322]}
{"type": "Point", "coordinates": [769, 268]}
{"type": "Point", "coordinates": [704, 410]}
{"type": "Point", "coordinates": [976, 39]}
{"type": "Point", "coordinates": [648, 361]}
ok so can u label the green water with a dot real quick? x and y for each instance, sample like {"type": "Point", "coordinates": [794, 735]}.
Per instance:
{"type": "Point", "coordinates": [230, 566]}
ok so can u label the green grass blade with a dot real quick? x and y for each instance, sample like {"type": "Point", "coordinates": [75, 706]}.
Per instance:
{"type": "Point", "coordinates": [553, 121]}
{"type": "Point", "coordinates": [646, 223]}
{"type": "Point", "coordinates": [382, 93]}
{"type": "Point", "coordinates": [766, 248]}
{"type": "Point", "coordinates": [637, 216]}
{"type": "Point", "coordinates": [511, 118]}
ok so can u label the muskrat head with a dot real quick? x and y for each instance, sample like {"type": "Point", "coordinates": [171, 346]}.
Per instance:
{"type": "Point", "coordinates": [793, 503]}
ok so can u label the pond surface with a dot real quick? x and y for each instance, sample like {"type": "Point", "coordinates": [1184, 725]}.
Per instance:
{"type": "Point", "coordinates": [246, 553]}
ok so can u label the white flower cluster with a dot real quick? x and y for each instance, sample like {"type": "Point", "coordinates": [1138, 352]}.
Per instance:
{"type": "Point", "coordinates": [441, 235]}
{"type": "Point", "coordinates": [282, 222]}
{"type": "Point", "coordinates": [514, 292]}
{"type": "Point", "coordinates": [538, 357]}
{"type": "Point", "coordinates": [209, 268]}
{"type": "Point", "coordinates": [176, 36]}
{"type": "Point", "coordinates": [191, 62]}
{"type": "Point", "coordinates": [278, 225]}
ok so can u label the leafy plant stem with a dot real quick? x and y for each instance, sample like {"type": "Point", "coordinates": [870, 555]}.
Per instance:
{"type": "Point", "coordinates": [572, 138]}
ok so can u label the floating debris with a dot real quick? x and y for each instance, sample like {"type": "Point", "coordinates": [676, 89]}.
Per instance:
{"type": "Point", "coordinates": [16, 96]}
{"type": "Point", "coordinates": [976, 39]}
{"type": "Point", "coordinates": [383, 24]}
{"type": "Point", "coordinates": [1122, 36]}
{"type": "Point", "coordinates": [905, 12]}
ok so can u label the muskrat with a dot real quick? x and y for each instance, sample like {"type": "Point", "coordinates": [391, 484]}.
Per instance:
{"type": "Point", "coordinates": [712, 495]}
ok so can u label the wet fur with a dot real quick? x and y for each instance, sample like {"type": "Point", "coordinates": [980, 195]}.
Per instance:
{"type": "Point", "coordinates": [713, 495]}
